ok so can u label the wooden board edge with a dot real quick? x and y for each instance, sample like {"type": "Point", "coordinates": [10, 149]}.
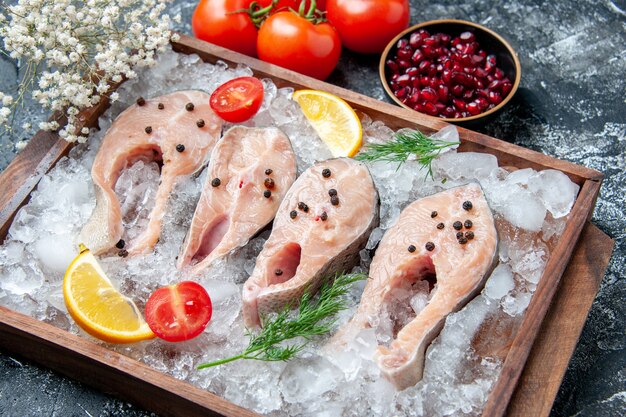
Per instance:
{"type": "Point", "coordinates": [544, 371]}
{"type": "Point", "coordinates": [517, 356]}
{"type": "Point", "coordinates": [81, 359]}
{"type": "Point", "coordinates": [284, 77]}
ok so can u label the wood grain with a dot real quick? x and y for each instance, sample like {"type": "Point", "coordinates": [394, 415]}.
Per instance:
{"type": "Point", "coordinates": [108, 371]}
{"type": "Point", "coordinates": [82, 359]}
{"type": "Point", "coordinates": [558, 336]}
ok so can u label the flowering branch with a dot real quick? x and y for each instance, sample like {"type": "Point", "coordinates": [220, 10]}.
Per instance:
{"type": "Point", "coordinates": [74, 51]}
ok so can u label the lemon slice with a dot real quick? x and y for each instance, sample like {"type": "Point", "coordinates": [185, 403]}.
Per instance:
{"type": "Point", "coordinates": [333, 119]}
{"type": "Point", "coordinates": [97, 306]}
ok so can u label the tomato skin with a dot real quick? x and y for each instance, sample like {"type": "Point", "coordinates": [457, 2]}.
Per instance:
{"type": "Point", "coordinates": [213, 21]}
{"type": "Point", "coordinates": [237, 100]}
{"type": "Point", "coordinates": [367, 26]}
{"type": "Point", "coordinates": [178, 312]}
{"type": "Point", "coordinates": [290, 41]}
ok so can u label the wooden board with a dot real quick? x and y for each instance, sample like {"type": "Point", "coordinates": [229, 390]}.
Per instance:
{"type": "Point", "coordinates": [29, 336]}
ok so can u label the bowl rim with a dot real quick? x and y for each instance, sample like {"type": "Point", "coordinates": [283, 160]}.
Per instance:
{"type": "Point", "coordinates": [410, 29]}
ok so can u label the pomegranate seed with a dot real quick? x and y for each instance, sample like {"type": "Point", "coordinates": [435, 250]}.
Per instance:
{"type": "Point", "coordinates": [467, 49]}
{"type": "Point", "coordinates": [473, 109]}
{"type": "Point", "coordinates": [442, 92]}
{"type": "Point", "coordinates": [431, 41]}
{"type": "Point", "coordinates": [412, 71]}
{"type": "Point", "coordinates": [491, 106]}
{"type": "Point", "coordinates": [494, 85]}
{"type": "Point", "coordinates": [403, 92]}
{"type": "Point", "coordinates": [424, 33]}
{"type": "Point", "coordinates": [482, 53]}
{"type": "Point", "coordinates": [459, 104]}
{"type": "Point", "coordinates": [477, 60]}
{"type": "Point", "coordinates": [393, 85]}
{"type": "Point", "coordinates": [480, 73]}
{"type": "Point", "coordinates": [483, 93]}
{"type": "Point", "coordinates": [394, 77]}
{"type": "Point", "coordinates": [448, 64]}
{"type": "Point", "coordinates": [445, 39]}
{"type": "Point", "coordinates": [403, 64]}
{"type": "Point", "coordinates": [418, 56]}
{"type": "Point", "coordinates": [506, 89]}
{"type": "Point", "coordinates": [449, 111]}
{"type": "Point", "coordinates": [416, 81]}
{"type": "Point", "coordinates": [429, 94]}
{"type": "Point", "coordinates": [482, 103]}
{"type": "Point", "coordinates": [430, 109]}
{"type": "Point", "coordinates": [393, 67]}
{"type": "Point", "coordinates": [469, 70]}
{"type": "Point", "coordinates": [494, 98]}
{"type": "Point", "coordinates": [490, 78]}
{"type": "Point", "coordinates": [402, 43]}
{"type": "Point", "coordinates": [425, 81]}
{"type": "Point", "coordinates": [404, 80]}
{"type": "Point", "coordinates": [468, 95]}
{"type": "Point", "coordinates": [465, 114]}
{"type": "Point", "coordinates": [460, 78]}
{"type": "Point", "coordinates": [458, 90]}
{"type": "Point", "coordinates": [498, 74]}
{"type": "Point", "coordinates": [415, 40]}
{"type": "Point", "coordinates": [428, 50]}
{"type": "Point", "coordinates": [405, 53]}
{"type": "Point", "coordinates": [455, 41]}
{"type": "Point", "coordinates": [424, 66]}
{"type": "Point", "coordinates": [440, 107]}
{"type": "Point", "coordinates": [457, 115]}
{"type": "Point", "coordinates": [467, 37]}
{"type": "Point", "coordinates": [439, 68]}
{"type": "Point", "coordinates": [446, 76]}
{"type": "Point", "coordinates": [479, 84]}
{"type": "Point", "coordinates": [415, 96]}
{"type": "Point", "coordinates": [457, 67]}
{"type": "Point", "coordinates": [434, 83]}
{"type": "Point", "coordinates": [432, 70]}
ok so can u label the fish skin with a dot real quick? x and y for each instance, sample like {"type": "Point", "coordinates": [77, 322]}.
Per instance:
{"type": "Point", "coordinates": [461, 272]}
{"type": "Point", "coordinates": [326, 247]}
{"type": "Point", "coordinates": [240, 157]}
{"type": "Point", "coordinates": [127, 141]}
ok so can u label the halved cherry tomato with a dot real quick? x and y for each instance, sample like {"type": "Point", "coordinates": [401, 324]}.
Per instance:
{"type": "Point", "coordinates": [218, 22]}
{"type": "Point", "coordinates": [237, 100]}
{"type": "Point", "coordinates": [179, 312]}
{"type": "Point", "coordinates": [367, 26]}
{"type": "Point", "coordinates": [297, 43]}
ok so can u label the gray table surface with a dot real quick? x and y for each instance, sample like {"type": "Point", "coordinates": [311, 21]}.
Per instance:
{"type": "Point", "coordinates": [571, 105]}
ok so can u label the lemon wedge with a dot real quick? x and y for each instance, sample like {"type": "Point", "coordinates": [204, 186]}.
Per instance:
{"type": "Point", "coordinates": [333, 119]}
{"type": "Point", "coordinates": [97, 306]}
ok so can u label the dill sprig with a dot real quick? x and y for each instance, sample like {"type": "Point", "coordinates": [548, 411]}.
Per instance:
{"type": "Point", "coordinates": [315, 317]}
{"type": "Point", "coordinates": [405, 144]}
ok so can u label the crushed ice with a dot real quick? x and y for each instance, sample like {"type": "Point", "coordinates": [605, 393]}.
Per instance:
{"type": "Point", "coordinates": [462, 363]}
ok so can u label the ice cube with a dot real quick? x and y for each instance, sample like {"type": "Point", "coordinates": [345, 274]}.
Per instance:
{"type": "Point", "coordinates": [305, 380]}
{"type": "Point", "coordinates": [55, 252]}
{"type": "Point", "coordinates": [555, 190]}
{"type": "Point", "coordinates": [514, 305]}
{"type": "Point", "coordinates": [469, 165]}
{"type": "Point", "coordinates": [523, 209]}
{"type": "Point", "coordinates": [500, 283]}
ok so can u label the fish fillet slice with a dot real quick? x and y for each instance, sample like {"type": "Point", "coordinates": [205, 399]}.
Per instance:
{"type": "Point", "coordinates": [304, 249]}
{"type": "Point", "coordinates": [228, 215]}
{"type": "Point", "coordinates": [455, 273]}
{"type": "Point", "coordinates": [128, 141]}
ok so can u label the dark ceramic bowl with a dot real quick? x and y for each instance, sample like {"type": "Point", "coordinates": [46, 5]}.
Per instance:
{"type": "Point", "coordinates": [489, 41]}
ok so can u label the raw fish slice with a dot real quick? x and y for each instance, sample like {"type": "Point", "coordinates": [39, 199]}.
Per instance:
{"type": "Point", "coordinates": [150, 133]}
{"type": "Point", "coordinates": [445, 277]}
{"type": "Point", "coordinates": [230, 214]}
{"type": "Point", "coordinates": [312, 238]}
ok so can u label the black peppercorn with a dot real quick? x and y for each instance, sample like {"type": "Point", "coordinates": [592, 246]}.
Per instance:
{"type": "Point", "coordinates": [463, 241]}
{"type": "Point", "coordinates": [180, 147]}
{"type": "Point", "coordinates": [200, 123]}
{"type": "Point", "coordinates": [123, 253]}
{"type": "Point", "coordinates": [278, 272]}
{"type": "Point", "coordinates": [332, 192]}
{"type": "Point", "coordinates": [430, 246]}
{"type": "Point", "coordinates": [459, 235]}
{"type": "Point", "coordinates": [148, 129]}
{"type": "Point", "coordinates": [303, 207]}
{"type": "Point", "coordinates": [324, 216]}
{"type": "Point", "coordinates": [469, 235]}
{"type": "Point", "coordinates": [160, 106]}
{"type": "Point", "coordinates": [215, 182]}
{"type": "Point", "coordinates": [293, 214]}
{"type": "Point", "coordinates": [412, 248]}
{"type": "Point", "coordinates": [269, 183]}
{"type": "Point", "coordinates": [433, 214]}
{"type": "Point", "coordinates": [326, 173]}
{"type": "Point", "coordinates": [189, 106]}
{"type": "Point", "coordinates": [267, 193]}
{"type": "Point", "coordinates": [334, 200]}
{"type": "Point", "coordinates": [141, 101]}
{"type": "Point", "coordinates": [457, 225]}
{"type": "Point", "coordinates": [441, 226]}
{"type": "Point", "coordinates": [120, 244]}
{"type": "Point", "coordinates": [268, 171]}
{"type": "Point", "coordinates": [468, 224]}
{"type": "Point", "coordinates": [467, 205]}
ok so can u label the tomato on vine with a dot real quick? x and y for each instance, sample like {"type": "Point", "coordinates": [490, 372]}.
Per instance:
{"type": "Point", "coordinates": [300, 41]}
{"type": "Point", "coordinates": [367, 26]}
{"type": "Point", "coordinates": [283, 5]}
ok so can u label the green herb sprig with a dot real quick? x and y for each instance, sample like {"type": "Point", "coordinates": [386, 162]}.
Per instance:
{"type": "Point", "coordinates": [405, 144]}
{"type": "Point", "coordinates": [315, 317]}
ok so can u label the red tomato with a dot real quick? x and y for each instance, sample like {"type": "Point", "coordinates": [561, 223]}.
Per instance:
{"type": "Point", "coordinates": [367, 26]}
{"type": "Point", "coordinates": [291, 41]}
{"type": "Point", "coordinates": [215, 22]}
{"type": "Point", "coordinates": [237, 100]}
{"type": "Point", "coordinates": [294, 4]}
{"type": "Point", "coordinates": [179, 312]}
